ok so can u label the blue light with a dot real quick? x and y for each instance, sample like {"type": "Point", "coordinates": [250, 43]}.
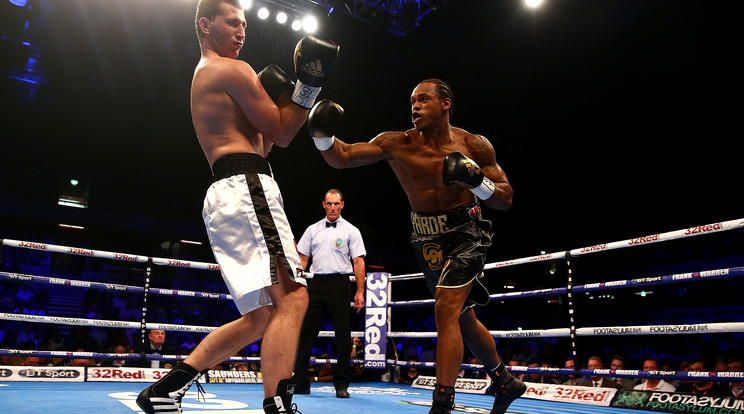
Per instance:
{"type": "Point", "coordinates": [19, 3]}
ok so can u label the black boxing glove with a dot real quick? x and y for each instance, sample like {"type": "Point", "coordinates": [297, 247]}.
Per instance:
{"type": "Point", "coordinates": [459, 169]}
{"type": "Point", "coordinates": [314, 58]}
{"type": "Point", "coordinates": [323, 121]}
{"type": "Point", "coordinates": [275, 82]}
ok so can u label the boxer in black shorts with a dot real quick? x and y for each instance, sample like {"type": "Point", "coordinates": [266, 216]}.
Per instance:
{"type": "Point", "coordinates": [450, 248]}
{"type": "Point", "coordinates": [444, 171]}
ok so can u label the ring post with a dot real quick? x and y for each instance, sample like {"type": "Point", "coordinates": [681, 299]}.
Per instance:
{"type": "Point", "coordinates": [376, 320]}
{"type": "Point", "coordinates": [571, 315]}
{"type": "Point", "coordinates": [143, 323]}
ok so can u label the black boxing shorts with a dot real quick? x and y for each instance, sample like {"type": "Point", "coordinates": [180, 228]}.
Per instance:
{"type": "Point", "coordinates": [450, 248]}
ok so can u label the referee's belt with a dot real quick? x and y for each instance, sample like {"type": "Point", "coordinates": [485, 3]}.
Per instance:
{"type": "Point", "coordinates": [331, 274]}
{"type": "Point", "coordinates": [439, 223]}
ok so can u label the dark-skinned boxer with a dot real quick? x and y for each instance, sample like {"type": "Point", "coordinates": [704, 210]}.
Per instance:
{"type": "Point", "coordinates": [447, 174]}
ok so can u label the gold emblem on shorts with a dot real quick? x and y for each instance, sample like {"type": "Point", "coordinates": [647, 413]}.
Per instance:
{"type": "Point", "coordinates": [433, 255]}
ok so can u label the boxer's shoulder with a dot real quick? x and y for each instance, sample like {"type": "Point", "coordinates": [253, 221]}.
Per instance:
{"type": "Point", "coordinates": [391, 139]}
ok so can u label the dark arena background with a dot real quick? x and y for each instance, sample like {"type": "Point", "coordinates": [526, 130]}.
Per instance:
{"type": "Point", "coordinates": [615, 122]}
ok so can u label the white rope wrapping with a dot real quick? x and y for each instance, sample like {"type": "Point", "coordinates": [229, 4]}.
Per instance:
{"type": "Point", "coordinates": [655, 238]}
{"type": "Point", "coordinates": [601, 331]}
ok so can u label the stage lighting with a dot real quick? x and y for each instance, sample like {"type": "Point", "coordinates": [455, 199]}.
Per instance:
{"type": "Point", "coordinates": [309, 24]}
{"type": "Point", "coordinates": [296, 24]}
{"type": "Point", "coordinates": [246, 4]}
{"type": "Point", "coordinates": [263, 13]}
{"type": "Point", "coordinates": [533, 4]}
{"type": "Point", "coordinates": [281, 17]}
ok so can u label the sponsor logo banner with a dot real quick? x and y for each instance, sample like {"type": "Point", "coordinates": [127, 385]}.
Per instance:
{"type": "Point", "coordinates": [466, 385]}
{"type": "Point", "coordinates": [670, 402]}
{"type": "Point", "coordinates": [234, 377]}
{"type": "Point", "coordinates": [572, 394]}
{"type": "Point", "coordinates": [375, 325]}
{"type": "Point", "coordinates": [20, 373]}
{"type": "Point", "coordinates": [125, 374]}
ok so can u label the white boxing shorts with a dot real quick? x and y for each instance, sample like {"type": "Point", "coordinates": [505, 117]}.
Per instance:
{"type": "Point", "coordinates": [248, 229]}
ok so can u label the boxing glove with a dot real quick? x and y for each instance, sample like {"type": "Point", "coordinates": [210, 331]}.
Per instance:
{"type": "Point", "coordinates": [323, 121]}
{"type": "Point", "coordinates": [275, 82]}
{"type": "Point", "coordinates": [459, 169]}
{"type": "Point", "coordinates": [314, 58]}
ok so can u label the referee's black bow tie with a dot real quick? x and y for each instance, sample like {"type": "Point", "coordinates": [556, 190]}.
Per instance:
{"type": "Point", "coordinates": [329, 224]}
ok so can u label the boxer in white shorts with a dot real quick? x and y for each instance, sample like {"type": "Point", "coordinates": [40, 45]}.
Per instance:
{"type": "Point", "coordinates": [238, 115]}
{"type": "Point", "coordinates": [248, 230]}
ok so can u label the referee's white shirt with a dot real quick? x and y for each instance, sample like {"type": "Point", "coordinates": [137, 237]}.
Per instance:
{"type": "Point", "coordinates": [332, 248]}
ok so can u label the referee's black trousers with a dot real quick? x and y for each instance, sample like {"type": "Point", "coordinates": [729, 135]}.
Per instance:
{"type": "Point", "coordinates": [331, 294]}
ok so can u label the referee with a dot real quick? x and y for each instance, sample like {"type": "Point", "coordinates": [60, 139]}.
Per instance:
{"type": "Point", "coordinates": [337, 251]}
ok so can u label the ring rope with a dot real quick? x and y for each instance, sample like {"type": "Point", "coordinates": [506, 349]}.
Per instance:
{"type": "Point", "coordinates": [637, 241]}
{"type": "Point", "coordinates": [655, 238]}
{"type": "Point", "coordinates": [614, 284]}
{"type": "Point", "coordinates": [127, 257]}
{"type": "Point", "coordinates": [697, 328]}
{"type": "Point", "coordinates": [110, 286]}
{"type": "Point", "coordinates": [154, 357]}
{"type": "Point", "coordinates": [596, 331]}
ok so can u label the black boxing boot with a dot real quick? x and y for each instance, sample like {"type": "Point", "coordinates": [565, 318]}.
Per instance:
{"type": "Point", "coordinates": [165, 395]}
{"type": "Point", "coordinates": [504, 387]}
{"type": "Point", "coordinates": [282, 402]}
{"type": "Point", "coordinates": [443, 400]}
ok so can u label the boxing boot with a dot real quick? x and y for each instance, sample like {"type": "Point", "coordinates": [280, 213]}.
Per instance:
{"type": "Point", "coordinates": [504, 387]}
{"type": "Point", "coordinates": [165, 395]}
{"type": "Point", "coordinates": [282, 402]}
{"type": "Point", "coordinates": [443, 400]}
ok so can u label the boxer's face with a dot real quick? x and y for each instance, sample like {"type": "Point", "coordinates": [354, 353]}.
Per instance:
{"type": "Point", "coordinates": [426, 105]}
{"type": "Point", "coordinates": [227, 30]}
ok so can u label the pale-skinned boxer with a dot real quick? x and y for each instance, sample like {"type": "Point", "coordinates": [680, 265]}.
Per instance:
{"type": "Point", "coordinates": [447, 173]}
{"type": "Point", "coordinates": [238, 116]}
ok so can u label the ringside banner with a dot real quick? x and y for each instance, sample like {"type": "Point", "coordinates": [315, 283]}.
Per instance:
{"type": "Point", "coordinates": [22, 373]}
{"type": "Point", "coordinates": [376, 319]}
{"type": "Point", "coordinates": [466, 385]}
{"type": "Point", "coordinates": [233, 377]}
{"type": "Point", "coordinates": [125, 374]}
{"type": "Point", "coordinates": [671, 402]}
{"type": "Point", "coordinates": [573, 394]}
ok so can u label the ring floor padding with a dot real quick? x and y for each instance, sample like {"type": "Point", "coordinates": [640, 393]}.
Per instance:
{"type": "Point", "coordinates": [366, 398]}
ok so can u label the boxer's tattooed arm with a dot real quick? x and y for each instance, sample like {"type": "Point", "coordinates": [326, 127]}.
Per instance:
{"type": "Point", "coordinates": [484, 155]}
{"type": "Point", "coordinates": [481, 151]}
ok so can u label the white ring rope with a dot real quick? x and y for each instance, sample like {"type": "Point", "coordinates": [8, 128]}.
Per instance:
{"type": "Point", "coordinates": [111, 286]}
{"type": "Point", "coordinates": [638, 241]}
{"type": "Point", "coordinates": [697, 328]}
{"type": "Point", "coordinates": [558, 332]}
{"type": "Point", "coordinates": [614, 284]}
{"type": "Point", "coordinates": [655, 238]}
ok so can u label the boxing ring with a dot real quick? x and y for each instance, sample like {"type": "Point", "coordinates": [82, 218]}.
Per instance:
{"type": "Point", "coordinates": [100, 389]}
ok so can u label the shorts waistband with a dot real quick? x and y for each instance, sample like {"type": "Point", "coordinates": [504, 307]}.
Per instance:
{"type": "Point", "coordinates": [241, 163]}
{"type": "Point", "coordinates": [439, 223]}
